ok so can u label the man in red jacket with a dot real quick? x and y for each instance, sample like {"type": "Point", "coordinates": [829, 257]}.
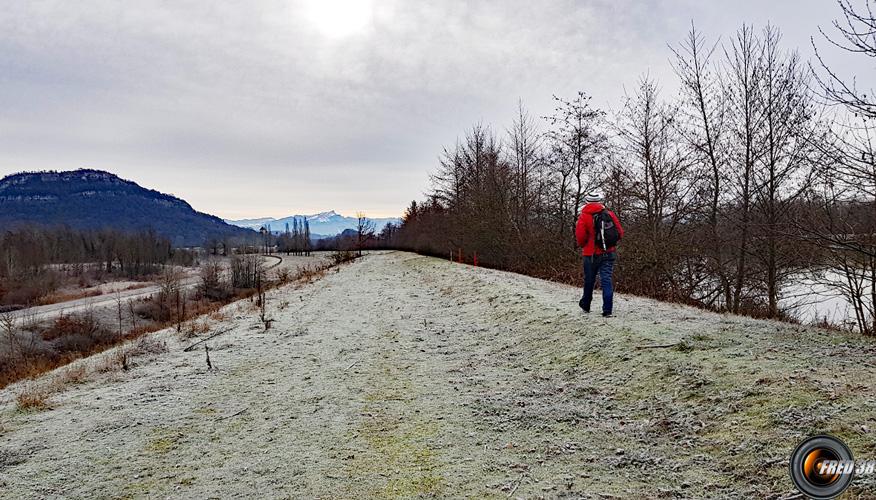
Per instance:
{"type": "Point", "coordinates": [597, 260]}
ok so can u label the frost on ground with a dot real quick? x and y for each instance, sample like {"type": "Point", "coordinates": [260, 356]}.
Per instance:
{"type": "Point", "coordinates": [402, 375]}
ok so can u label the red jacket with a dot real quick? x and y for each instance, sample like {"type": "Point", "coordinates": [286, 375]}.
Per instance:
{"type": "Point", "coordinates": [584, 229]}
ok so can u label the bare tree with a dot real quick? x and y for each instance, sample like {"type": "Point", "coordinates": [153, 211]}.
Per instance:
{"type": "Point", "coordinates": [526, 159]}
{"type": "Point", "coordinates": [745, 120]}
{"type": "Point", "coordinates": [118, 297]}
{"type": "Point", "coordinates": [245, 270]}
{"type": "Point", "coordinates": [705, 131]}
{"type": "Point", "coordinates": [855, 31]}
{"type": "Point", "coordinates": [791, 148]}
{"type": "Point", "coordinates": [364, 231]}
{"type": "Point", "coordinates": [576, 143]}
{"type": "Point", "coordinates": [7, 324]}
{"type": "Point", "coordinates": [132, 314]}
{"type": "Point", "coordinates": [658, 182]}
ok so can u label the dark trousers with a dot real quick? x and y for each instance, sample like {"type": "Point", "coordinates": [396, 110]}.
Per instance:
{"type": "Point", "coordinates": [602, 265]}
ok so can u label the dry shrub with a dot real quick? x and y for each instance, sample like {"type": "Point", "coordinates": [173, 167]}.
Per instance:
{"type": "Point", "coordinates": [30, 322]}
{"type": "Point", "coordinates": [195, 328]}
{"type": "Point", "coordinates": [13, 370]}
{"type": "Point", "coordinates": [308, 275]}
{"type": "Point", "coordinates": [54, 298]}
{"type": "Point", "coordinates": [29, 289]}
{"type": "Point", "coordinates": [212, 286]}
{"type": "Point", "coordinates": [68, 325]}
{"type": "Point", "coordinates": [33, 397]}
{"type": "Point", "coordinates": [152, 310]}
{"type": "Point", "coordinates": [341, 256]}
{"type": "Point", "coordinates": [122, 357]}
{"type": "Point", "coordinates": [246, 270]}
{"type": "Point", "coordinates": [147, 345]}
{"type": "Point", "coordinates": [83, 281]}
{"type": "Point", "coordinates": [114, 360]}
{"type": "Point", "coordinates": [218, 316]}
{"type": "Point", "coordinates": [77, 374]}
{"type": "Point", "coordinates": [283, 276]}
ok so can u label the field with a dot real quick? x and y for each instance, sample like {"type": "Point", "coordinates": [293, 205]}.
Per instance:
{"type": "Point", "coordinates": [402, 376]}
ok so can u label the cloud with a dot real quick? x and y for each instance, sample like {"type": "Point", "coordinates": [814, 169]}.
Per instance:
{"type": "Point", "coordinates": [192, 96]}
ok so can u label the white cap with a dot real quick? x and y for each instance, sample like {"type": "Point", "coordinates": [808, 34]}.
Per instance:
{"type": "Point", "coordinates": [594, 197]}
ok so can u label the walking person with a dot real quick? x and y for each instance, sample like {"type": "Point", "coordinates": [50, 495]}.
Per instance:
{"type": "Point", "coordinates": [598, 232]}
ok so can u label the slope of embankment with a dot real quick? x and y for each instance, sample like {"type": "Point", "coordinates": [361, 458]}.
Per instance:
{"type": "Point", "coordinates": [402, 375]}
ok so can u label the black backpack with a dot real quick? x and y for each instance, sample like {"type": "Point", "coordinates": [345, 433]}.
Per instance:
{"type": "Point", "coordinates": [605, 230]}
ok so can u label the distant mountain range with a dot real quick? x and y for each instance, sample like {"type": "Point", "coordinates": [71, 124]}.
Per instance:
{"type": "Point", "coordinates": [94, 199]}
{"type": "Point", "coordinates": [322, 225]}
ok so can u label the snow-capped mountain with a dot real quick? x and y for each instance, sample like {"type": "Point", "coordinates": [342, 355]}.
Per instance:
{"type": "Point", "coordinates": [323, 224]}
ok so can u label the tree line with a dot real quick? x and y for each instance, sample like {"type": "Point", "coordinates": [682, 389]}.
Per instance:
{"type": "Point", "coordinates": [33, 260]}
{"type": "Point", "coordinates": [727, 192]}
{"type": "Point", "coordinates": [295, 241]}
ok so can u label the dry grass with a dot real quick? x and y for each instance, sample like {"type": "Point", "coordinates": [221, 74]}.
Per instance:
{"type": "Point", "coordinates": [76, 374]}
{"type": "Point", "coordinates": [124, 357]}
{"type": "Point", "coordinates": [218, 316]}
{"type": "Point", "coordinates": [33, 397]}
{"type": "Point", "coordinates": [307, 275]}
{"type": "Point", "coordinates": [195, 328]}
{"type": "Point", "coordinates": [55, 298]}
{"type": "Point", "coordinates": [112, 361]}
{"type": "Point", "coordinates": [137, 286]}
{"type": "Point", "coordinates": [283, 276]}
{"type": "Point", "coordinates": [70, 326]}
{"type": "Point", "coordinates": [147, 346]}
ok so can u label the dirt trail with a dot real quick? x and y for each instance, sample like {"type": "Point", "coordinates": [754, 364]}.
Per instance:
{"type": "Point", "coordinates": [405, 376]}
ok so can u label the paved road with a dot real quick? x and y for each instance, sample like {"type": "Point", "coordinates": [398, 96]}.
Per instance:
{"type": "Point", "coordinates": [52, 310]}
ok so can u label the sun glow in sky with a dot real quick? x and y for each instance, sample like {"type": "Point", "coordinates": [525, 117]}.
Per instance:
{"type": "Point", "coordinates": [269, 108]}
{"type": "Point", "coordinates": [339, 18]}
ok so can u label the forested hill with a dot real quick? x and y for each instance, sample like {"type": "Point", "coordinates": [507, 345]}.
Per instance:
{"type": "Point", "coordinates": [93, 199]}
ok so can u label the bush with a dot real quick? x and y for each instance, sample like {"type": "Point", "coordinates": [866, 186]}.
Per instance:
{"type": "Point", "coordinates": [68, 325]}
{"type": "Point", "coordinates": [28, 289]}
{"type": "Point", "coordinates": [212, 286]}
{"type": "Point", "coordinates": [341, 256]}
{"type": "Point", "coordinates": [161, 306]}
{"type": "Point", "coordinates": [283, 275]}
{"type": "Point", "coordinates": [152, 310]}
{"type": "Point", "coordinates": [246, 270]}
{"type": "Point", "coordinates": [33, 398]}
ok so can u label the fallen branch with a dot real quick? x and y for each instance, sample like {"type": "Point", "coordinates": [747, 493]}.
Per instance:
{"type": "Point", "coordinates": [351, 366]}
{"type": "Point", "coordinates": [189, 348]}
{"type": "Point", "coordinates": [233, 415]}
{"type": "Point", "coordinates": [658, 346]}
{"type": "Point", "coordinates": [517, 485]}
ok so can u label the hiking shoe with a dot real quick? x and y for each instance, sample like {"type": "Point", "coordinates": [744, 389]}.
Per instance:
{"type": "Point", "coordinates": [581, 305]}
{"type": "Point", "coordinates": [607, 315]}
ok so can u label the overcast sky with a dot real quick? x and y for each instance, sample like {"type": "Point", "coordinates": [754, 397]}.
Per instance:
{"type": "Point", "coordinates": [269, 108]}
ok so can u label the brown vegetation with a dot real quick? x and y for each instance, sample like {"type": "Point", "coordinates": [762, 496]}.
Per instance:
{"type": "Point", "coordinates": [33, 397]}
{"type": "Point", "coordinates": [28, 348]}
